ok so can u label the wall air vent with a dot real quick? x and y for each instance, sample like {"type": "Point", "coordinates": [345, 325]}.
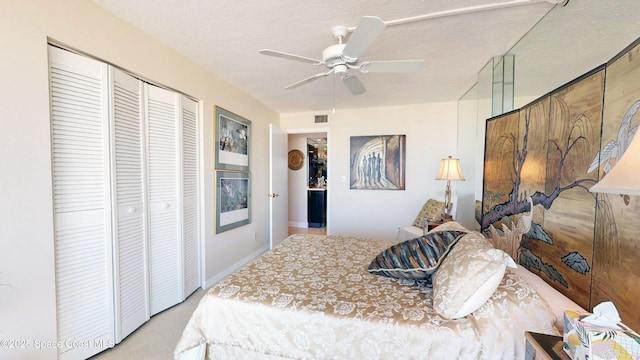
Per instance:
{"type": "Point", "coordinates": [322, 118]}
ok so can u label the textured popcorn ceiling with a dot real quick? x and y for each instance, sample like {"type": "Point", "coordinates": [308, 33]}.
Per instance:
{"type": "Point", "coordinates": [224, 36]}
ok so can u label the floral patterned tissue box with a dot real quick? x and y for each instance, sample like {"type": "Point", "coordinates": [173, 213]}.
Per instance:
{"type": "Point", "coordinates": [583, 341]}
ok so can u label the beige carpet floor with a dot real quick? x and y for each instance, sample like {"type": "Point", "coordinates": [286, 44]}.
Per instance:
{"type": "Point", "coordinates": [157, 338]}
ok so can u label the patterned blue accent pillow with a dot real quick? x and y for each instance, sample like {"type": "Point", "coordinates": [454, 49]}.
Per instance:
{"type": "Point", "coordinates": [417, 258]}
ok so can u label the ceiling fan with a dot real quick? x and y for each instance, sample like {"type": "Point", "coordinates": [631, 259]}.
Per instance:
{"type": "Point", "coordinates": [340, 58]}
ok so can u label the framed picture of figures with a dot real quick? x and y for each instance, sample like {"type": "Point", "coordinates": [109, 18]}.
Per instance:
{"type": "Point", "coordinates": [233, 135]}
{"type": "Point", "coordinates": [378, 162]}
{"type": "Point", "coordinates": [233, 200]}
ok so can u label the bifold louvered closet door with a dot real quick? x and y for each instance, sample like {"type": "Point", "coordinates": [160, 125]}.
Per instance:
{"type": "Point", "coordinates": [190, 214]}
{"type": "Point", "coordinates": [82, 204]}
{"type": "Point", "coordinates": [164, 238]}
{"type": "Point", "coordinates": [173, 197]}
{"type": "Point", "coordinates": [125, 189]}
{"type": "Point", "coordinates": [129, 230]}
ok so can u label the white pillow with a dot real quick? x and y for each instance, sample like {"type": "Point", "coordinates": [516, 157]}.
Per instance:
{"type": "Point", "coordinates": [556, 301]}
{"type": "Point", "coordinates": [468, 276]}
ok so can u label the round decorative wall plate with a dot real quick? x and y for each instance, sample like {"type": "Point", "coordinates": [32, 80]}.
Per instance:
{"type": "Point", "coordinates": [296, 159]}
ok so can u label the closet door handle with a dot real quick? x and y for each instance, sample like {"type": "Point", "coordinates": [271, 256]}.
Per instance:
{"type": "Point", "coordinates": [165, 205]}
{"type": "Point", "coordinates": [132, 210]}
{"type": "Point", "coordinates": [274, 195]}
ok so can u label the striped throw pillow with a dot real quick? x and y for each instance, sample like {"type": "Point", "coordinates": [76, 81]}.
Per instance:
{"type": "Point", "coordinates": [417, 258]}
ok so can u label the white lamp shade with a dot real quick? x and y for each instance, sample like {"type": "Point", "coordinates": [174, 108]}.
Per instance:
{"type": "Point", "coordinates": [623, 177]}
{"type": "Point", "coordinates": [450, 170]}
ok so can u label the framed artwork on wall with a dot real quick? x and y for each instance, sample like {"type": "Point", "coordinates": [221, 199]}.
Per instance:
{"type": "Point", "coordinates": [233, 200]}
{"type": "Point", "coordinates": [232, 139]}
{"type": "Point", "coordinates": [378, 162]}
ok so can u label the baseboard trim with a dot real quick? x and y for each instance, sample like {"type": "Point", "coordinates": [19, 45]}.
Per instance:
{"type": "Point", "coordinates": [298, 224]}
{"type": "Point", "coordinates": [233, 268]}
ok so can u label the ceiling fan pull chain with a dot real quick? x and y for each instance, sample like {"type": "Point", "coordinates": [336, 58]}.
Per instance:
{"type": "Point", "coordinates": [334, 95]}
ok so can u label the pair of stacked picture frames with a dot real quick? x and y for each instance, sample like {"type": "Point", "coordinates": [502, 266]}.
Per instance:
{"type": "Point", "coordinates": [233, 178]}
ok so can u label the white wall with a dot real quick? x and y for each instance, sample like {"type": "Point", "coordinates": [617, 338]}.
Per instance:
{"type": "Point", "coordinates": [431, 136]}
{"type": "Point", "coordinates": [28, 306]}
{"type": "Point", "coordinates": [298, 180]}
{"type": "Point", "coordinates": [468, 148]}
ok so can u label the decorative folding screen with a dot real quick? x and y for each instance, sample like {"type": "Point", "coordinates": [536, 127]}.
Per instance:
{"type": "Point", "coordinates": [616, 267]}
{"type": "Point", "coordinates": [540, 162]}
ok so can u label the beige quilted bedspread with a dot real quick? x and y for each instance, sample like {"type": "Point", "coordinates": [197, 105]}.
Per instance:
{"type": "Point", "coordinates": [313, 298]}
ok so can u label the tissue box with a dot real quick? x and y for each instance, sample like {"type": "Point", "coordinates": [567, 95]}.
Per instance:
{"type": "Point", "coordinates": [583, 341]}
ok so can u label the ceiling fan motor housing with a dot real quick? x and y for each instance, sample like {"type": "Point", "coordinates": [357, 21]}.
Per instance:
{"type": "Point", "coordinates": [332, 56]}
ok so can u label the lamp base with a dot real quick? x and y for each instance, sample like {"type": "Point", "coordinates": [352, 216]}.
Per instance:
{"type": "Point", "coordinates": [446, 217]}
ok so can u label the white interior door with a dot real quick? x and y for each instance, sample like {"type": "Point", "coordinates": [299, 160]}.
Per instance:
{"type": "Point", "coordinates": [278, 186]}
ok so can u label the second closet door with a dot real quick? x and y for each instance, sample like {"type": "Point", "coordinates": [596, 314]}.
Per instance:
{"type": "Point", "coordinates": [165, 269]}
{"type": "Point", "coordinates": [129, 231]}
{"type": "Point", "coordinates": [190, 225]}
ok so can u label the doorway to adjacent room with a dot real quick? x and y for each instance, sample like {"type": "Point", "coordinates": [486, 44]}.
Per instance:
{"type": "Point", "coordinates": [308, 184]}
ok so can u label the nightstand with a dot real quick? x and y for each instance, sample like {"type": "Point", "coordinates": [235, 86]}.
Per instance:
{"type": "Point", "coordinates": [432, 224]}
{"type": "Point", "coordinates": [544, 347]}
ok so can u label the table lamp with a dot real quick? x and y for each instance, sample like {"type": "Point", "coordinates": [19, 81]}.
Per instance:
{"type": "Point", "coordinates": [449, 170]}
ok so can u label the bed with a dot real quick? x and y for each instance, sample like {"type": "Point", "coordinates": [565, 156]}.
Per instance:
{"type": "Point", "coordinates": [313, 297]}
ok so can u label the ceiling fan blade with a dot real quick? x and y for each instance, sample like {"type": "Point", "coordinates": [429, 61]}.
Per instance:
{"type": "Point", "coordinates": [285, 55]}
{"type": "Point", "coordinates": [353, 84]}
{"type": "Point", "coordinates": [368, 30]}
{"type": "Point", "coordinates": [308, 80]}
{"type": "Point", "coordinates": [392, 66]}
